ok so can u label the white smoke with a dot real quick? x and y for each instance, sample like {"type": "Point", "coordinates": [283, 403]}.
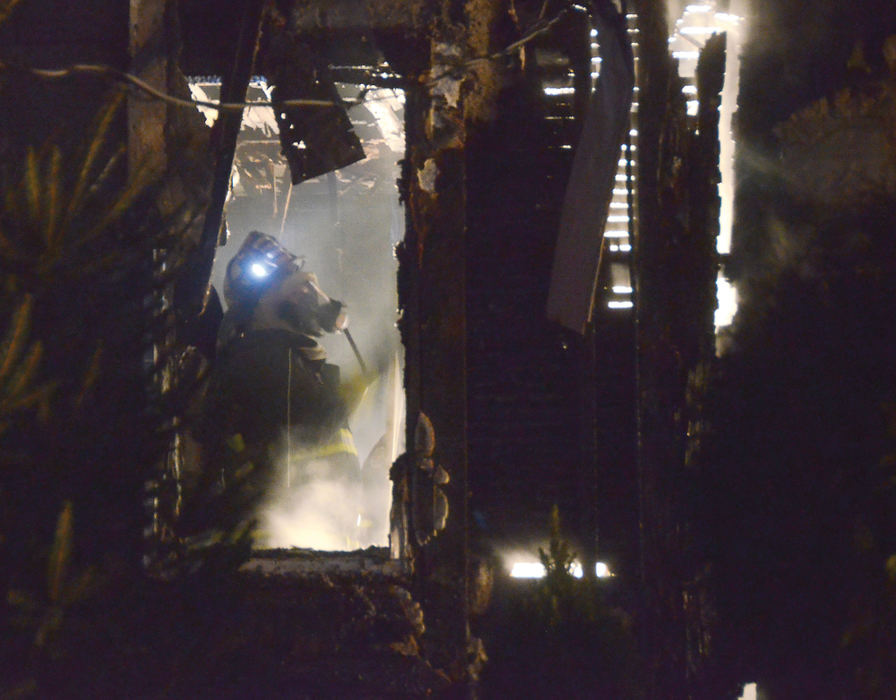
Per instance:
{"type": "Point", "coordinates": [324, 513]}
{"type": "Point", "coordinates": [313, 506]}
{"type": "Point", "coordinates": [345, 224]}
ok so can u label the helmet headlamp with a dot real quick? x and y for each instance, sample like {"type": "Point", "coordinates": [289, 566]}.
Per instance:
{"type": "Point", "coordinates": [258, 270]}
{"type": "Point", "coordinates": [260, 262]}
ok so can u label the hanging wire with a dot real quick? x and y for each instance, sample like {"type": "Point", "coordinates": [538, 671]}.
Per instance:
{"type": "Point", "coordinates": [123, 77]}
{"type": "Point", "coordinates": [104, 71]}
{"type": "Point", "coordinates": [537, 29]}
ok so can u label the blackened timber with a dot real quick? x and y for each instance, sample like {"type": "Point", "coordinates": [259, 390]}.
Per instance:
{"type": "Point", "coordinates": [357, 15]}
{"type": "Point", "coordinates": [432, 299]}
{"type": "Point", "coordinates": [705, 217]}
{"type": "Point", "coordinates": [661, 639]}
{"type": "Point", "coordinates": [314, 139]}
{"type": "Point", "coordinates": [191, 295]}
{"type": "Point", "coordinates": [675, 270]}
{"type": "Point", "coordinates": [588, 469]}
{"type": "Point", "coordinates": [706, 178]}
{"type": "Point", "coordinates": [410, 315]}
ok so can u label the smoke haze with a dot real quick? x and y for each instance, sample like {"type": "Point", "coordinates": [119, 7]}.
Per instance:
{"type": "Point", "coordinates": [346, 225]}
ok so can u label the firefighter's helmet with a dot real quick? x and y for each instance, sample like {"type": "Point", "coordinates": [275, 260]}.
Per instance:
{"type": "Point", "coordinates": [259, 264]}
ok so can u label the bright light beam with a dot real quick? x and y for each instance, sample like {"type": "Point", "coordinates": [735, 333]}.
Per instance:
{"type": "Point", "coordinates": [527, 569]}
{"type": "Point", "coordinates": [534, 569]}
{"type": "Point", "coordinates": [750, 692]}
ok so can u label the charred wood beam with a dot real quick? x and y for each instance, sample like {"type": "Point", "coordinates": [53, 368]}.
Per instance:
{"type": "Point", "coordinates": [357, 15]}
{"type": "Point", "coordinates": [190, 295]}
{"type": "Point", "coordinates": [699, 337]}
{"type": "Point", "coordinates": [706, 203]}
{"type": "Point", "coordinates": [432, 297]}
{"type": "Point", "coordinates": [675, 282]}
{"type": "Point", "coordinates": [350, 32]}
{"type": "Point", "coordinates": [660, 630]}
{"type": "Point", "coordinates": [314, 139]}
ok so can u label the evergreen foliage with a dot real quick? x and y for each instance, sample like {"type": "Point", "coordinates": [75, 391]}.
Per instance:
{"type": "Point", "coordinates": [85, 416]}
{"type": "Point", "coordinates": [560, 637]}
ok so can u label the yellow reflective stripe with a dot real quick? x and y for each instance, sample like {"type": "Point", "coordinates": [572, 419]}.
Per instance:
{"type": "Point", "coordinates": [236, 443]}
{"type": "Point", "coordinates": [341, 443]}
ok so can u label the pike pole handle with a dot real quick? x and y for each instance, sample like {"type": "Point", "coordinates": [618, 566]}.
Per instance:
{"type": "Point", "coordinates": [351, 341]}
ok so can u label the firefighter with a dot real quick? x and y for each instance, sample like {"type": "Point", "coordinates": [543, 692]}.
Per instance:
{"type": "Point", "coordinates": [275, 420]}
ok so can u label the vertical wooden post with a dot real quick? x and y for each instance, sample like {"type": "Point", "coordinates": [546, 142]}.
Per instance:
{"type": "Point", "coordinates": [234, 84]}
{"type": "Point", "coordinates": [432, 296]}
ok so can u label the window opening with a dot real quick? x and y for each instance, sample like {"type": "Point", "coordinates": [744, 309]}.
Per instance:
{"type": "Point", "coordinates": [345, 225]}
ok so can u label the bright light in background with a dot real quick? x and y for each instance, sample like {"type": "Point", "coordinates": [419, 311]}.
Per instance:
{"type": "Point", "coordinates": [693, 24]}
{"type": "Point", "coordinates": [527, 569]}
{"type": "Point", "coordinates": [260, 118]}
{"type": "Point", "coordinates": [386, 105]}
{"type": "Point", "coordinates": [534, 569]}
{"type": "Point", "coordinates": [727, 296]}
{"type": "Point", "coordinates": [751, 692]}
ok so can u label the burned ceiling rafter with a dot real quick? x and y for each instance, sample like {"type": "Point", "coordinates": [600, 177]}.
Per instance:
{"type": "Point", "coordinates": [314, 140]}
{"type": "Point", "coordinates": [353, 16]}
{"type": "Point", "coordinates": [191, 293]}
{"type": "Point", "coordinates": [353, 33]}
